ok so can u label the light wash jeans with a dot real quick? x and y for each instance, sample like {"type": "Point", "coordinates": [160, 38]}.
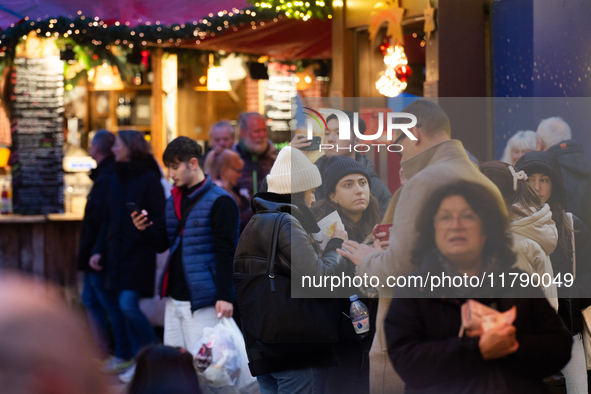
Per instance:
{"type": "Point", "coordinates": [294, 381]}
{"type": "Point", "coordinates": [575, 372]}
{"type": "Point", "coordinates": [183, 328]}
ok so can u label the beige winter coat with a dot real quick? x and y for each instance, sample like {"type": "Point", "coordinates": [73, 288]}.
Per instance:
{"type": "Point", "coordinates": [534, 239]}
{"type": "Point", "coordinates": [437, 166]}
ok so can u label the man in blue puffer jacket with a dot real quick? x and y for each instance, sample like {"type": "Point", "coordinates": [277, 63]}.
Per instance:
{"type": "Point", "coordinates": [198, 276]}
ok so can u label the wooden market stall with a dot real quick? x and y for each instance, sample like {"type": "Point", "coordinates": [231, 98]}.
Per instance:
{"type": "Point", "coordinates": [125, 66]}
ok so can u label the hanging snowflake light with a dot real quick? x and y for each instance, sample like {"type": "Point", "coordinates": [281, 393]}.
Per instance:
{"type": "Point", "coordinates": [391, 82]}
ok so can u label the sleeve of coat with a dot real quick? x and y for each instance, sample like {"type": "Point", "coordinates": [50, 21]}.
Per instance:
{"type": "Point", "coordinates": [295, 245]}
{"type": "Point", "coordinates": [547, 348]}
{"type": "Point", "coordinates": [395, 260]}
{"type": "Point", "coordinates": [532, 259]}
{"type": "Point", "coordinates": [100, 245]}
{"type": "Point", "coordinates": [155, 199]}
{"type": "Point", "coordinates": [423, 361]}
{"type": "Point", "coordinates": [582, 285]}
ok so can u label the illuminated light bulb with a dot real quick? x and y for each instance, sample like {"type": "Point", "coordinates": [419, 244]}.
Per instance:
{"type": "Point", "coordinates": [308, 79]}
{"type": "Point", "coordinates": [389, 85]}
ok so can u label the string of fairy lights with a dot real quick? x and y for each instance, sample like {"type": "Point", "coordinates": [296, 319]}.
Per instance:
{"type": "Point", "coordinates": [99, 35]}
{"type": "Point", "coordinates": [94, 31]}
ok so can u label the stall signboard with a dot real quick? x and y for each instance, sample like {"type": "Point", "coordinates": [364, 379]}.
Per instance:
{"type": "Point", "coordinates": [280, 90]}
{"type": "Point", "coordinates": [37, 111]}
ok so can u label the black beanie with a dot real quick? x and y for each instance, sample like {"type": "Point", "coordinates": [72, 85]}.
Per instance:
{"type": "Point", "coordinates": [544, 163]}
{"type": "Point", "coordinates": [337, 167]}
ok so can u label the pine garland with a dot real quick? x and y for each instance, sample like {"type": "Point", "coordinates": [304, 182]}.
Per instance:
{"type": "Point", "coordinates": [92, 31]}
{"type": "Point", "coordinates": [297, 9]}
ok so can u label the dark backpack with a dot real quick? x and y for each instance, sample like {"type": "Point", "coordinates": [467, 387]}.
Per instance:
{"type": "Point", "coordinates": [271, 315]}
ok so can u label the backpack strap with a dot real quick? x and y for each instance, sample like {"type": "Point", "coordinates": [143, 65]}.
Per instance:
{"type": "Point", "coordinates": [273, 252]}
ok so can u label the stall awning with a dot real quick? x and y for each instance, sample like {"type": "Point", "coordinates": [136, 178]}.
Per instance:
{"type": "Point", "coordinates": [286, 39]}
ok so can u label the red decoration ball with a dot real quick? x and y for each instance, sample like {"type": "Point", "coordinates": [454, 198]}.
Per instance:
{"type": "Point", "coordinates": [403, 72]}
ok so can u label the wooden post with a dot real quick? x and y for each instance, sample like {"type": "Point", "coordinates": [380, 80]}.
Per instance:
{"type": "Point", "coordinates": [159, 141]}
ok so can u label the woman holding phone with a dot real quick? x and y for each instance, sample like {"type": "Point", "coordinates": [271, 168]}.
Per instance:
{"type": "Point", "coordinates": [128, 262]}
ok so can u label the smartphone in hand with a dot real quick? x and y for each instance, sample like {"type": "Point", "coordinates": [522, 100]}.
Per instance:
{"type": "Point", "coordinates": [133, 207]}
{"type": "Point", "coordinates": [382, 228]}
{"type": "Point", "coordinates": [315, 145]}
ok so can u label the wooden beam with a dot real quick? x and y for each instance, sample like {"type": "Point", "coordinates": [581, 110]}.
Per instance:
{"type": "Point", "coordinates": [159, 140]}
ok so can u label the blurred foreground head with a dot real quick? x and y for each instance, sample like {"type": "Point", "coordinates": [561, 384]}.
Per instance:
{"type": "Point", "coordinates": [44, 347]}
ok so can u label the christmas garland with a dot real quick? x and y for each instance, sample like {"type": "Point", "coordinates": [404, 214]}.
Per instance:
{"type": "Point", "coordinates": [297, 9]}
{"type": "Point", "coordinates": [92, 31]}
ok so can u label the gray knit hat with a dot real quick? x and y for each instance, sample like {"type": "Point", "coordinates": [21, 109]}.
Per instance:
{"type": "Point", "coordinates": [337, 167]}
{"type": "Point", "coordinates": [293, 173]}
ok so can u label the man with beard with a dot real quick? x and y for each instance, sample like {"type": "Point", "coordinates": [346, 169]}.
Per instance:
{"type": "Point", "coordinates": [256, 150]}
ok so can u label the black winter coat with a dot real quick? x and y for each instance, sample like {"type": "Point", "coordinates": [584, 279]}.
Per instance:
{"type": "Point", "coordinates": [378, 189]}
{"type": "Point", "coordinates": [577, 178]}
{"type": "Point", "coordinates": [251, 257]}
{"type": "Point", "coordinates": [572, 300]}
{"type": "Point", "coordinates": [423, 344]}
{"type": "Point", "coordinates": [94, 210]}
{"type": "Point", "coordinates": [129, 263]}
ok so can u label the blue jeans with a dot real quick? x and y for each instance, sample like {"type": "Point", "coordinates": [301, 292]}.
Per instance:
{"type": "Point", "coordinates": [102, 306]}
{"type": "Point", "coordinates": [139, 329]}
{"type": "Point", "coordinates": [294, 381]}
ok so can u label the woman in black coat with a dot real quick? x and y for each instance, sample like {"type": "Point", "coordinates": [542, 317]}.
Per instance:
{"type": "Point", "coordinates": [129, 263]}
{"type": "Point", "coordinates": [462, 232]}
{"type": "Point", "coordinates": [545, 176]}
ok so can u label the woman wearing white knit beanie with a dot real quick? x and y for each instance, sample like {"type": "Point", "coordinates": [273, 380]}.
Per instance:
{"type": "Point", "coordinates": [293, 173]}
{"type": "Point", "coordinates": [289, 342]}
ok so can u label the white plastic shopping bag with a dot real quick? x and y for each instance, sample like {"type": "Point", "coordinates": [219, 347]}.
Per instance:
{"type": "Point", "coordinates": [221, 361]}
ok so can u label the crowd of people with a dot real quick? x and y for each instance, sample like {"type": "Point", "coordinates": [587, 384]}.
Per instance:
{"type": "Point", "coordinates": [240, 225]}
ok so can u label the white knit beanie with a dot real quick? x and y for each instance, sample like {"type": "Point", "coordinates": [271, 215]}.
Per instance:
{"type": "Point", "coordinates": [293, 173]}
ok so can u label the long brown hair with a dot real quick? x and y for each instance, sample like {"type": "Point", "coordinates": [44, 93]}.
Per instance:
{"type": "Point", "coordinates": [136, 142]}
{"type": "Point", "coordinates": [356, 231]}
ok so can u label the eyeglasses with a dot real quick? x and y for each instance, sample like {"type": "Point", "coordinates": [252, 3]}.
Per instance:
{"type": "Point", "coordinates": [445, 221]}
{"type": "Point", "coordinates": [401, 137]}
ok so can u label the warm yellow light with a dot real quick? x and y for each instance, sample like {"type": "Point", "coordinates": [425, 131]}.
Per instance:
{"type": "Point", "coordinates": [217, 80]}
{"type": "Point", "coordinates": [107, 78]}
{"type": "Point", "coordinates": [308, 79]}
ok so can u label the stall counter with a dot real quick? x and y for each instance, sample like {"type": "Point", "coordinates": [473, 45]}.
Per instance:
{"type": "Point", "coordinates": [43, 245]}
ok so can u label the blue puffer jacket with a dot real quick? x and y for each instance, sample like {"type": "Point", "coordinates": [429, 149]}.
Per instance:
{"type": "Point", "coordinates": [199, 258]}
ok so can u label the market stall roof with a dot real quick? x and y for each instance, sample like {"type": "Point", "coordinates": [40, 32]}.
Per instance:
{"type": "Point", "coordinates": [278, 37]}
{"type": "Point", "coordinates": [166, 12]}
{"type": "Point", "coordinates": [285, 39]}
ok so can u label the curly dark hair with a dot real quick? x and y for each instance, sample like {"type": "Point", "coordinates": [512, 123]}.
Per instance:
{"type": "Point", "coordinates": [181, 150]}
{"type": "Point", "coordinates": [498, 244]}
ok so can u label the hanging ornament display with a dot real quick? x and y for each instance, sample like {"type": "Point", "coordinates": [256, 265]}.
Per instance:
{"type": "Point", "coordinates": [393, 80]}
